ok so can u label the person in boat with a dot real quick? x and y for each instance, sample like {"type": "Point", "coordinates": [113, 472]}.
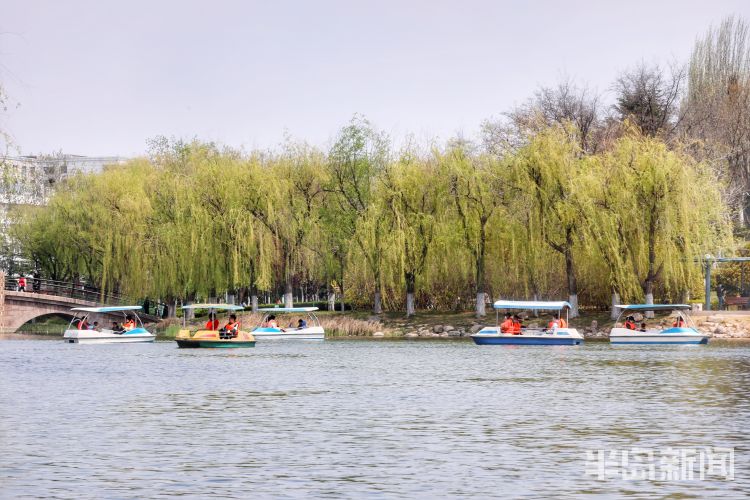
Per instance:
{"type": "Point", "coordinates": [507, 325]}
{"type": "Point", "coordinates": [116, 328]}
{"type": "Point", "coordinates": [517, 325]}
{"type": "Point", "coordinates": [301, 324]}
{"type": "Point", "coordinates": [232, 327]}
{"type": "Point", "coordinates": [561, 320]}
{"type": "Point", "coordinates": [212, 323]}
{"type": "Point", "coordinates": [95, 327]}
{"type": "Point", "coordinates": [83, 324]}
{"type": "Point", "coordinates": [630, 323]}
{"type": "Point", "coordinates": [271, 322]}
{"type": "Point", "coordinates": [679, 322]}
{"type": "Point", "coordinates": [129, 323]}
{"type": "Point", "coordinates": [554, 323]}
{"type": "Point", "coordinates": [643, 327]}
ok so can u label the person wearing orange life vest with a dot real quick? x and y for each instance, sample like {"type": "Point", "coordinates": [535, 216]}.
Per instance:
{"type": "Point", "coordinates": [507, 325]}
{"type": "Point", "coordinates": [554, 322]}
{"type": "Point", "coordinates": [630, 323]}
{"type": "Point", "coordinates": [129, 323]}
{"type": "Point", "coordinates": [679, 322]}
{"type": "Point", "coordinates": [232, 327]}
{"type": "Point", "coordinates": [516, 325]}
{"type": "Point", "coordinates": [212, 323]}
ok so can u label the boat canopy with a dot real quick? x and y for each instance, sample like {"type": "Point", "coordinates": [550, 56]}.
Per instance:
{"type": "Point", "coordinates": [531, 304]}
{"type": "Point", "coordinates": [288, 309]}
{"type": "Point", "coordinates": [653, 307]}
{"type": "Point", "coordinates": [107, 309]}
{"type": "Point", "coordinates": [221, 307]}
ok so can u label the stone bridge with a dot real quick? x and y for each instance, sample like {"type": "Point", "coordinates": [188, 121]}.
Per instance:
{"type": "Point", "coordinates": [17, 308]}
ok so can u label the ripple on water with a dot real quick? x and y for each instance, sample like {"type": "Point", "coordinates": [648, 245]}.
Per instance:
{"type": "Point", "coordinates": [391, 419]}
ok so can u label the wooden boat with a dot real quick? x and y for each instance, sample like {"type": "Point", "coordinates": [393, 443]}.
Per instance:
{"type": "Point", "coordinates": [213, 338]}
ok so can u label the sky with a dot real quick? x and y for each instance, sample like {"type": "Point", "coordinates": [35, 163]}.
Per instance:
{"type": "Point", "coordinates": [103, 77]}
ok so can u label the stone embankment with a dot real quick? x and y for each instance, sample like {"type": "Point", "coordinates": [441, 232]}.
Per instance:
{"type": "Point", "coordinates": [443, 331]}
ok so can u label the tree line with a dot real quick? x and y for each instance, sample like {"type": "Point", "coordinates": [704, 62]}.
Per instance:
{"type": "Point", "coordinates": [562, 196]}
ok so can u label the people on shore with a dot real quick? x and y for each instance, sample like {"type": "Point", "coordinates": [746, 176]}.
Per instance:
{"type": "Point", "coordinates": [22, 284]}
{"type": "Point", "coordinates": [212, 323]}
{"type": "Point", "coordinates": [507, 325]}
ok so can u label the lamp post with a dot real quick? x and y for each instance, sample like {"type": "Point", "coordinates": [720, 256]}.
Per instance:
{"type": "Point", "coordinates": [708, 259]}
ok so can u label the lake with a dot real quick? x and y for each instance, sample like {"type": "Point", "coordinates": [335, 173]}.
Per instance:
{"type": "Point", "coordinates": [368, 418]}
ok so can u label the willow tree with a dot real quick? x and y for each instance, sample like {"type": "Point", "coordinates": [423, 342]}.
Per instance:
{"type": "Point", "coordinates": [355, 161]}
{"type": "Point", "coordinates": [414, 206]}
{"type": "Point", "coordinates": [477, 189]}
{"type": "Point", "coordinates": [668, 213]}
{"type": "Point", "coordinates": [547, 172]}
{"type": "Point", "coordinates": [285, 195]}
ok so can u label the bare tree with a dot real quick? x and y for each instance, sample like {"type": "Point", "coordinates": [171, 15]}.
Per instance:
{"type": "Point", "coordinates": [649, 96]}
{"type": "Point", "coordinates": [717, 105]}
{"type": "Point", "coordinates": [564, 103]}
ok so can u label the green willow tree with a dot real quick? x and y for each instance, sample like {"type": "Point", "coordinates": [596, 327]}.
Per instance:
{"type": "Point", "coordinates": [355, 162]}
{"type": "Point", "coordinates": [547, 172]}
{"type": "Point", "coordinates": [414, 206]}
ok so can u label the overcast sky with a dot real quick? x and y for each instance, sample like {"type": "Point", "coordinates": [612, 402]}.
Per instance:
{"type": "Point", "coordinates": [101, 77]}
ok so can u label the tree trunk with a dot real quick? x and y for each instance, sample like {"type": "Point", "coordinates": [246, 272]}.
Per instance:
{"type": "Point", "coordinates": [377, 303]}
{"type": "Point", "coordinates": [288, 297]}
{"type": "Point", "coordinates": [480, 309]}
{"type": "Point", "coordinates": [342, 294]}
{"type": "Point", "coordinates": [171, 308]}
{"type": "Point", "coordinates": [410, 286]}
{"type": "Point", "coordinates": [254, 303]}
{"type": "Point", "coordinates": [649, 292]}
{"type": "Point", "coordinates": [614, 312]}
{"type": "Point", "coordinates": [572, 282]}
{"type": "Point", "coordinates": [331, 299]}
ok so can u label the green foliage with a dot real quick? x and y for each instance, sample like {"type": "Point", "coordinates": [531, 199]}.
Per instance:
{"type": "Point", "coordinates": [194, 220]}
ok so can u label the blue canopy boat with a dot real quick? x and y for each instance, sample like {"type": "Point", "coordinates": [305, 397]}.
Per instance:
{"type": "Point", "coordinates": [492, 335]}
{"type": "Point", "coordinates": [682, 331]}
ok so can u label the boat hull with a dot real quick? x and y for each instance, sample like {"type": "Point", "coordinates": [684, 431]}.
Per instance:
{"type": "Point", "coordinates": [137, 335]}
{"type": "Point", "coordinates": [187, 343]}
{"type": "Point", "coordinates": [671, 336]}
{"type": "Point", "coordinates": [492, 336]}
{"type": "Point", "coordinates": [312, 333]}
{"type": "Point", "coordinates": [212, 339]}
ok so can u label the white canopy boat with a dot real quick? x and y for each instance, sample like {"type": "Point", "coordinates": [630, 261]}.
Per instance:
{"type": "Point", "coordinates": [492, 335]}
{"type": "Point", "coordinates": [308, 329]}
{"type": "Point", "coordinates": [683, 331]}
{"type": "Point", "coordinates": [78, 333]}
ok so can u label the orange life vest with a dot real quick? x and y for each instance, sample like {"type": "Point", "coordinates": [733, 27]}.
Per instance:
{"type": "Point", "coordinates": [212, 325]}
{"type": "Point", "coordinates": [563, 323]}
{"type": "Point", "coordinates": [506, 326]}
{"type": "Point", "coordinates": [630, 325]}
{"type": "Point", "coordinates": [516, 327]}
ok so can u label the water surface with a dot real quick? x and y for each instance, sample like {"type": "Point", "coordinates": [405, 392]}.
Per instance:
{"type": "Point", "coordinates": [390, 419]}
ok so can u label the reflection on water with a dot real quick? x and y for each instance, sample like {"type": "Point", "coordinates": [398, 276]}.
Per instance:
{"type": "Point", "coordinates": [356, 418]}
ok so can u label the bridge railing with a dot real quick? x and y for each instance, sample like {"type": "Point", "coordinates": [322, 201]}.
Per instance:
{"type": "Point", "coordinates": [65, 289]}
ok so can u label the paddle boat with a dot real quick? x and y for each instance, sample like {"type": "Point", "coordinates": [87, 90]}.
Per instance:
{"type": "Point", "coordinates": [134, 331]}
{"type": "Point", "coordinates": [270, 327]}
{"type": "Point", "coordinates": [683, 330]}
{"type": "Point", "coordinates": [491, 335]}
{"type": "Point", "coordinates": [213, 337]}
